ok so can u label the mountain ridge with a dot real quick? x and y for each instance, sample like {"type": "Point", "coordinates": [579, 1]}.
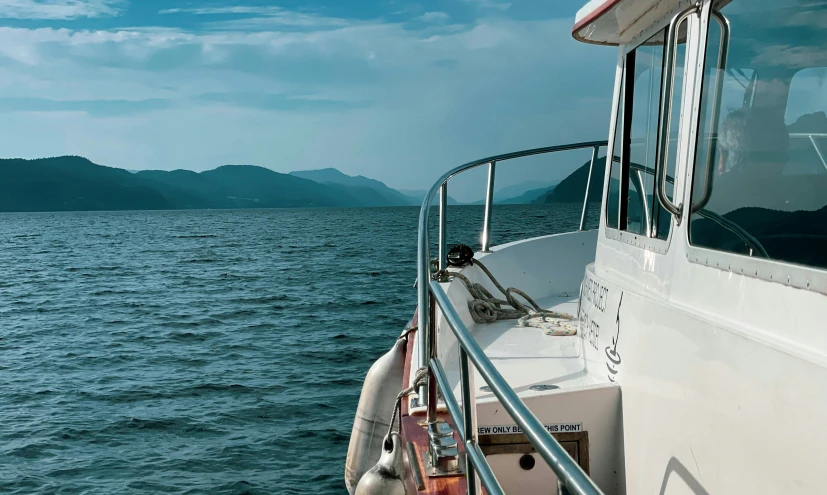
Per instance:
{"type": "Point", "coordinates": [75, 183]}
{"type": "Point", "coordinates": [334, 176]}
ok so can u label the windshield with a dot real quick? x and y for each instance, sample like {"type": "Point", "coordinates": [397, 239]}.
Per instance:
{"type": "Point", "coordinates": [760, 183]}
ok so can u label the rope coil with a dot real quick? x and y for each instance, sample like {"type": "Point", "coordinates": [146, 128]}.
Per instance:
{"type": "Point", "coordinates": [485, 308]}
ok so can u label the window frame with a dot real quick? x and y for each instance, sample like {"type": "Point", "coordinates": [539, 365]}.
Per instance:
{"type": "Point", "coordinates": [624, 104]}
{"type": "Point", "coordinates": [778, 271]}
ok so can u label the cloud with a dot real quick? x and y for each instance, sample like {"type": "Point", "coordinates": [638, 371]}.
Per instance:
{"type": "Point", "coordinates": [96, 108]}
{"type": "Point", "coordinates": [237, 9]}
{"type": "Point", "coordinates": [398, 101]}
{"type": "Point", "coordinates": [59, 9]}
{"type": "Point", "coordinates": [434, 17]}
{"type": "Point", "coordinates": [260, 17]}
{"type": "Point", "coordinates": [489, 4]}
{"type": "Point", "coordinates": [281, 102]}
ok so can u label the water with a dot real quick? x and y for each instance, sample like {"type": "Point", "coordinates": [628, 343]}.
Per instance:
{"type": "Point", "coordinates": [203, 351]}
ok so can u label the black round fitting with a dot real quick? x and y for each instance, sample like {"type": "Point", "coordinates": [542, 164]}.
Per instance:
{"type": "Point", "coordinates": [527, 462]}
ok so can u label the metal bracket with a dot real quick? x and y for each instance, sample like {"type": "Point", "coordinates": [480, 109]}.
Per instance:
{"type": "Point", "coordinates": [442, 458]}
{"type": "Point", "coordinates": [433, 472]}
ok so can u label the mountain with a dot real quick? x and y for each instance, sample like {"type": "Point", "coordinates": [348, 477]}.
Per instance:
{"type": "Point", "coordinates": [381, 194]}
{"type": "Point", "coordinates": [520, 194]}
{"type": "Point", "coordinates": [417, 196]}
{"type": "Point", "coordinates": [247, 186]}
{"type": "Point", "coordinates": [508, 194]}
{"type": "Point", "coordinates": [71, 183]}
{"type": "Point", "coordinates": [572, 188]}
{"type": "Point", "coordinates": [527, 197]}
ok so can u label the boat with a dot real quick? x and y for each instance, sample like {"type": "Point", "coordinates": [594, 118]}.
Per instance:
{"type": "Point", "coordinates": [679, 347]}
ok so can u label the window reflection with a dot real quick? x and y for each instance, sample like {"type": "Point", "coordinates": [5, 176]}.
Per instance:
{"type": "Point", "coordinates": [760, 185]}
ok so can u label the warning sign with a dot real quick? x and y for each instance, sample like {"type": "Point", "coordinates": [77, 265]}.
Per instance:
{"type": "Point", "coordinates": [513, 429]}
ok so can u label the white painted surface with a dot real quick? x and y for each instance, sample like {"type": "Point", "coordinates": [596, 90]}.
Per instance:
{"type": "Point", "coordinates": [723, 374]}
{"type": "Point", "coordinates": [596, 407]}
{"type": "Point", "coordinates": [622, 21]}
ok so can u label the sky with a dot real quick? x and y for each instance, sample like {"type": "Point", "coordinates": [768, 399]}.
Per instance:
{"type": "Point", "coordinates": [394, 90]}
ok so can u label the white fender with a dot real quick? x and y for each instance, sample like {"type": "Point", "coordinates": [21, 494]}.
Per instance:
{"type": "Point", "coordinates": [385, 478]}
{"type": "Point", "coordinates": [382, 384]}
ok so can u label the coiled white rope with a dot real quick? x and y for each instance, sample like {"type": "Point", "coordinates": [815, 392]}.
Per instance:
{"type": "Point", "coordinates": [485, 308]}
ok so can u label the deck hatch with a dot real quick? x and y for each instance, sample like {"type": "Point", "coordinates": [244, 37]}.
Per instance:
{"type": "Point", "coordinates": [576, 445]}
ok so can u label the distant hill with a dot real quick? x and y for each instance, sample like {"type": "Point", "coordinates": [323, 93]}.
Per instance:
{"type": "Point", "coordinates": [527, 197]}
{"type": "Point", "coordinates": [381, 194]}
{"type": "Point", "coordinates": [520, 194]}
{"type": "Point", "coordinates": [247, 186]}
{"type": "Point", "coordinates": [71, 183]}
{"type": "Point", "coordinates": [572, 188]}
{"type": "Point", "coordinates": [417, 196]}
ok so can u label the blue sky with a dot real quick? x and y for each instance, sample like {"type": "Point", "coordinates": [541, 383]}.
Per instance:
{"type": "Point", "coordinates": [395, 90]}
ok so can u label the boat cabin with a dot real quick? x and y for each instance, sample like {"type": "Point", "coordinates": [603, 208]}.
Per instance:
{"type": "Point", "coordinates": [681, 346]}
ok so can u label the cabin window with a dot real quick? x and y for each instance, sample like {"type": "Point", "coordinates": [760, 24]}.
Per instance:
{"type": "Point", "coordinates": [646, 63]}
{"type": "Point", "coordinates": [760, 179]}
{"type": "Point", "coordinates": [613, 198]}
{"type": "Point", "coordinates": [631, 204]}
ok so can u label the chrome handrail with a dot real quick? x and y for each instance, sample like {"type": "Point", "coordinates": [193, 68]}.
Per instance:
{"type": "Point", "coordinates": [665, 120]}
{"type": "Point", "coordinates": [423, 271]}
{"type": "Point", "coordinates": [569, 473]}
{"type": "Point", "coordinates": [723, 56]}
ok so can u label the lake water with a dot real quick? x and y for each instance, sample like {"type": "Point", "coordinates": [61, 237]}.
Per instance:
{"type": "Point", "coordinates": [204, 351]}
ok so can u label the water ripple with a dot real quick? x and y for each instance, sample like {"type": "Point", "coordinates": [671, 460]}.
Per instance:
{"type": "Point", "coordinates": [200, 352]}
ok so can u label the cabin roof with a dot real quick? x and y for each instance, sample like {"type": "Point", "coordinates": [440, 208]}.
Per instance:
{"type": "Point", "coordinates": [615, 22]}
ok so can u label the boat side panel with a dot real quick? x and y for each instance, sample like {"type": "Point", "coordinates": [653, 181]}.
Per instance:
{"type": "Point", "coordinates": [707, 403]}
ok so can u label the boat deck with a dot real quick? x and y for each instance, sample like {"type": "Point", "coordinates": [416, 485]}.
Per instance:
{"type": "Point", "coordinates": [526, 356]}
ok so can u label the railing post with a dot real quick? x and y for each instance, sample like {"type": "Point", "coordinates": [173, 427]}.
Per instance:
{"type": "Point", "coordinates": [583, 215]}
{"type": "Point", "coordinates": [431, 334]}
{"type": "Point", "coordinates": [422, 303]}
{"type": "Point", "coordinates": [489, 200]}
{"type": "Point", "coordinates": [469, 418]}
{"type": "Point", "coordinates": [443, 210]}
{"type": "Point", "coordinates": [443, 451]}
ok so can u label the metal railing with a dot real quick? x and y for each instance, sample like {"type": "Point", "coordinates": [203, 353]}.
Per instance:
{"type": "Point", "coordinates": [569, 474]}
{"type": "Point", "coordinates": [423, 271]}
{"type": "Point", "coordinates": [429, 295]}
